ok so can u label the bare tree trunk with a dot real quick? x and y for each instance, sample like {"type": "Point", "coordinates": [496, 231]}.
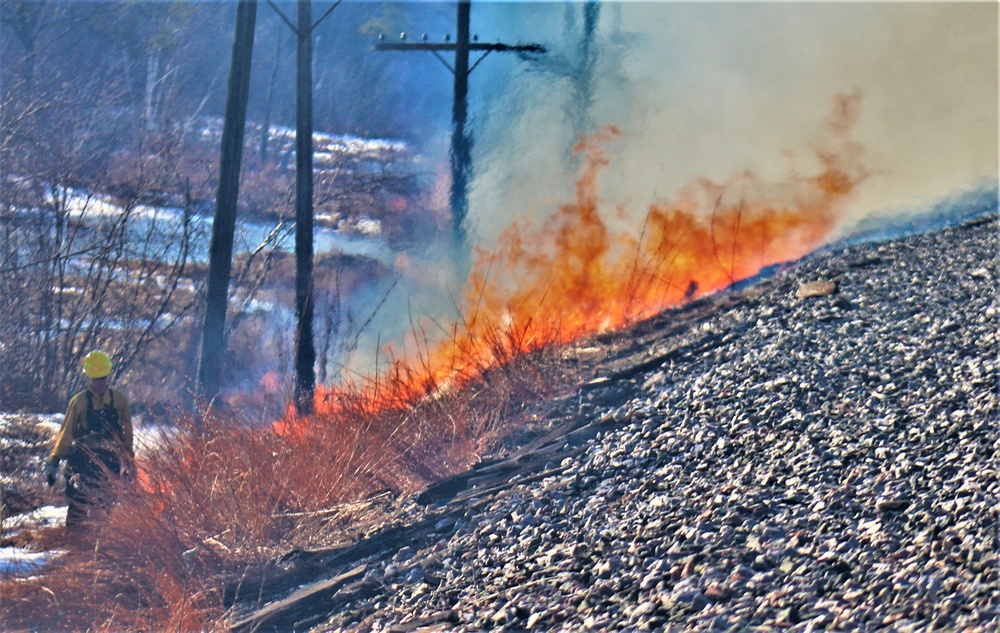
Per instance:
{"type": "Point", "coordinates": [305, 350]}
{"type": "Point", "coordinates": [221, 250]}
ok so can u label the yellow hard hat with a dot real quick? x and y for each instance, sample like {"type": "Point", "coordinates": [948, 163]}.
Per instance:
{"type": "Point", "coordinates": [97, 364]}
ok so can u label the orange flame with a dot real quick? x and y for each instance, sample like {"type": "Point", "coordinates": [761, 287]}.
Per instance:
{"type": "Point", "coordinates": [575, 275]}
{"type": "Point", "coordinates": [154, 488]}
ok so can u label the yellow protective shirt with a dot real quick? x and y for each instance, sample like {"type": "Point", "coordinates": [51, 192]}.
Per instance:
{"type": "Point", "coordinates": [76, 419]}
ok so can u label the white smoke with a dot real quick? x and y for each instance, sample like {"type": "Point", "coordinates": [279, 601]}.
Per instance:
{"type": "Point", "coordinates": [713, 89]}
{"type": "Point", "coordinates": [709, 90]}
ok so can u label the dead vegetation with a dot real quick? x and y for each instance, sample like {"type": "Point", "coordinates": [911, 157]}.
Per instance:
{"type": "Point", "coordinates": [222, 498]}
{"type": "Point", "coordinates": [217, 501]}
{"type": "Point", "coordinates": [23, 442]}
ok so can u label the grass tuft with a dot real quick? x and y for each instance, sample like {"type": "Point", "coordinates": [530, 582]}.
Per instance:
{"type": "Point", "coordinates": [218, 500]}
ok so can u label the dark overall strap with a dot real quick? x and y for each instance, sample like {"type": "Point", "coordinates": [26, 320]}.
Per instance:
{"type": "Point", "coordinates": [108, 418]}
{"type": "Point", "coordinates": [90, 407]}
{"type": "Point", "coordinates": [90, 399]}
{"type": "Point", "coordinates": [99, 442]}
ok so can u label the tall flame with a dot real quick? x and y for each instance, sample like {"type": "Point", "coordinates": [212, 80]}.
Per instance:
{"type": "Point", "coordinates": [574, 274]}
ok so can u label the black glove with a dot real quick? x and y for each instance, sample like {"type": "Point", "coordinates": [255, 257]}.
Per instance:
{"type": "Point", "coordinates": [51, 470]}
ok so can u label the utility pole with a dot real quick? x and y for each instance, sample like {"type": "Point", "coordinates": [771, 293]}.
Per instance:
{"type": "Point", "coordinates": [305, 348]}
{"type": "Point", "coordinates": [224, 225]}
{"type": "Point", "coordinates": [461, 141]}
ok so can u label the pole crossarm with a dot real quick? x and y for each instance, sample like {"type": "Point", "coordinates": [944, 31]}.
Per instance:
{"type": "Point", "coordinates": [461, 140]}
{"type": "Point", "coordinates": [437, 49]}
{"type": "Point", "coordinates": [472, 46]}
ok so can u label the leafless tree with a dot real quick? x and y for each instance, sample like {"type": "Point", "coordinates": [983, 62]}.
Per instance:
{"type": "Point", "coordinates": [82, 270]}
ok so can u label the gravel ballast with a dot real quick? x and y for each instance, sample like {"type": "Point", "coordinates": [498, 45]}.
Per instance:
{"type": "Point", "coordinates": [828, 462]}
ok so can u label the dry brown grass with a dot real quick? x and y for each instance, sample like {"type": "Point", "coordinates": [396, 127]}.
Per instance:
{"type": "Point", "coordinates": [217, 499]}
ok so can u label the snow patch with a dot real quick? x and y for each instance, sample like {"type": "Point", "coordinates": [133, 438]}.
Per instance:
{"type": "Point", "coordinates": [44, 517]}
{"type": "Point", "coordinates": [15, 561]}
{"type": "Point", "coordinates": [148, 437]}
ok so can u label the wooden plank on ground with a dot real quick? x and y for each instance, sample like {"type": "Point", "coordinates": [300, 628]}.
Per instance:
{"type": "Point", "coordinates": [280, 609]}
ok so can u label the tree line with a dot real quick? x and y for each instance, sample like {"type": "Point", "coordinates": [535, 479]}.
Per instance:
{"type": "Point", "coordinates": [102, 109]}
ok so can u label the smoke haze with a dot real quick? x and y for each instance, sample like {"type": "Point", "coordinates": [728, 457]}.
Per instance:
{"type": "Point", "coordinates": [706, 90]}
{"type": "Point", "coordinates": [692, 98]}
{"type": "Point", "coordinates": [709, 93]}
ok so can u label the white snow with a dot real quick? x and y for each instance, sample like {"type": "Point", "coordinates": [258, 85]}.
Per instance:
{"type": "Point", "coordinates": [15, 561]}
{"type": "Point", "coordinates": [50, 421]}
{"type": "Point", "coordinates": [21, 562]}
{"type": "Point", "coordinates": [46, 516]}
{"type": "Point", "coordinates": [369, 226]}
{"type": "Point", "coordinates": [18, 561]}
{"type": "Point", "coordinates": [147, 437]}
{"type": "Point", "coordinates": [327, 147]}
{"type": "Point", "coordinates": [79, 203]}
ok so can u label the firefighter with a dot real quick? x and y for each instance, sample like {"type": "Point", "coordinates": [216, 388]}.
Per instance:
{"type": "Point", "coordinates": [95, 440]}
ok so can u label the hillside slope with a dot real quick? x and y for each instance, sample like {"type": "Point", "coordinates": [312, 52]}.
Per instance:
{"type": "Point", "coordinates": [759, 459]}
